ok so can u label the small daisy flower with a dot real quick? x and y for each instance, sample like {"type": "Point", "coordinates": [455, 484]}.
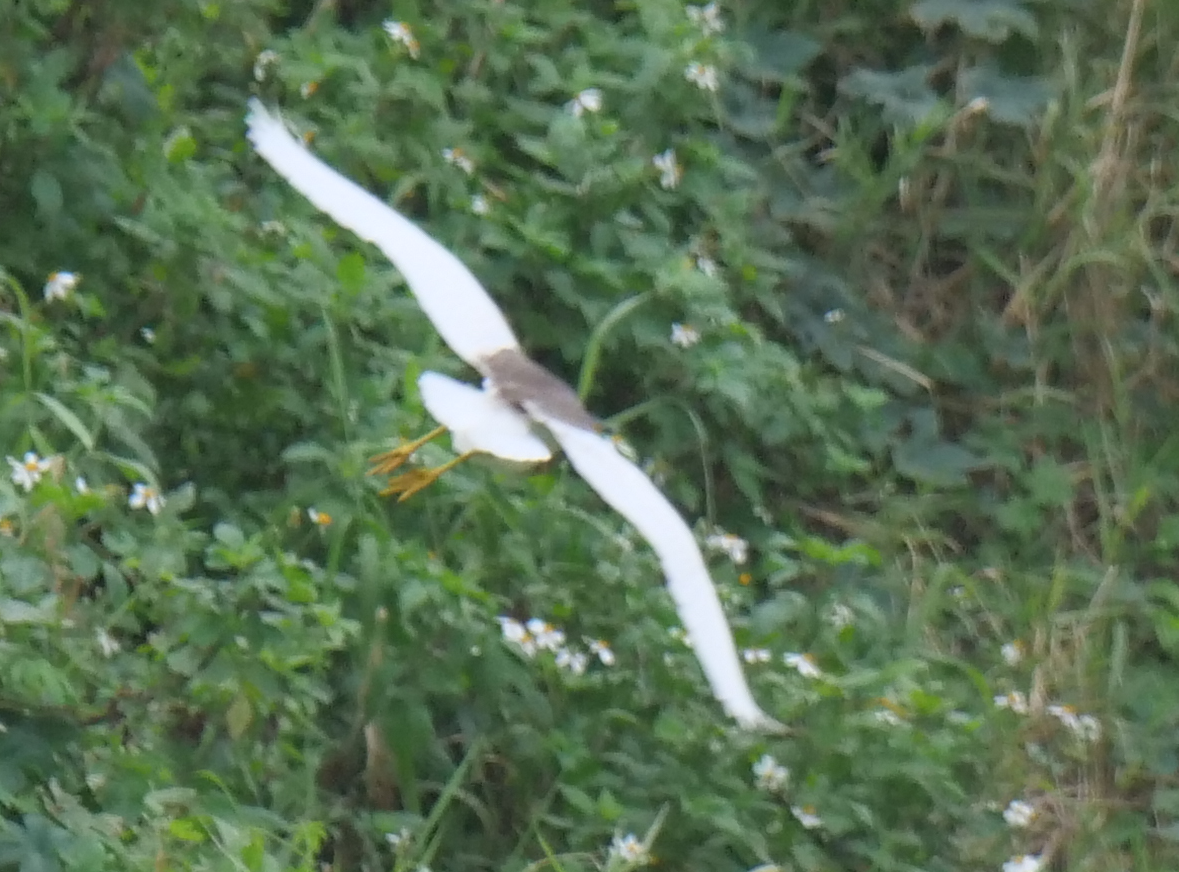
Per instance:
{"type": "Point", "coordinates": [144, 496]}
{"type": "Point", "coordinates": [456, 157]}
{"type": "Point", "coordinates": [680, 635]}
{"type": "Point", "coordinates": [804, 663]}
{"type": "Point", "coordinates": [770, 774]}
{"type": "Point", "coordinates": [399, 31]}
{"type": "Point", "coordinates": [575, 661]}
{"type": "Point", "coordinates": [546, 635]}
{"type": "Point", "coordinates": [398, 838]}
{"type": "Point", "coordinates": [60, 285]}
{"type": "Point", "coordinates": [888, 717]}
{"type": "Point", "coordinates": [602, 650]}
{"type": "Point", "coordinates": [589, 100]}
{"type": "Point", "coordinates": [670, 171]}
{"type": "Point", "coordinates": [756, 655]}
{"type": "Point", "coordinates": [1015, 701]}
{"type": "Point", "coordinates": [1012, 652]}
{"type": "Point", "coordinates": [307, 90]}
{"type": "Point", "coordinates": [834, 316]}
{"type": "Point", "coordinates": [318, 518]}
{"type": "Point", "coordinates": [479, 205]}
{"type": "Point", "coordinates": [735, 547]}
{"type": "Point", "coordinates": [272, 227]}
{"type": "Point", "coordinates": [684, 335]}
{"type": "Point", "coordinates": [80, 485]}
{"type": "Point", "coordinates": [1019, 814]}
{"type": "Point", "coordinates": [28, 471]}
{"type": "Point", "coordinates": [516, 633]}
{"type": "Point", "coordinates": [703, 76]}
{"type": "Point", "coordinates": [806, 816]}
{"type": "Point", "coordinates": [707, 17]}
{"type": "Point", "coordinates": [1084, 727]}
{"type": "Point", "coordinates": [265, 60]}
{"type": "Point", "coordinates": [149, 335]}
{"type": "Point", "coordinates": [629, 850]}
{"type": "Point", "coordinates": [1024, 863]}
{"type": "Point", "coordinates": [107, 643]}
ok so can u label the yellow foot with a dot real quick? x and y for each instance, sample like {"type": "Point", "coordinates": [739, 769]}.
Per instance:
{"type": "Point", "coordinates": [390, 460]}
{"type": "Point", "coordinates": [409, 483]}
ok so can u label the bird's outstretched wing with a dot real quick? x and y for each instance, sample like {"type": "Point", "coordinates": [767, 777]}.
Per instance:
{"type": "Point", "coordinates": [634, 496]}
{"type": "Point", "coordinates": [479, 420]}
{"type": "Point", "coordinates": [452, 298]}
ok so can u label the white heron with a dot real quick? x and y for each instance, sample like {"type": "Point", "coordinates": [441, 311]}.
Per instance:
{"type": "Point", "coordinates": [517, 395]}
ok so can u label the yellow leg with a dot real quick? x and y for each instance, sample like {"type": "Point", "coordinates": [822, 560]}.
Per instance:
{"type": "Point", "coordinates": [390, 460]}
{"type": "Point", "coordinates": [409, 483]}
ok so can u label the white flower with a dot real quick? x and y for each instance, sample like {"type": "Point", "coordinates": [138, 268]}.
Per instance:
{"type": "Point", "coordinates": [271, 226]}
{"type": "Point", "coordinates": [60, 284]}
{"type": "Point", "coordinates": [770, 774]}
{"type": "Point", "coordinates": [1084, 727]}
{"type": "Point", "coordinates": [27, 472]}
{"type": "Point", "coordinates": [546, 635]}
{"type": "Point", "coordinates": [308, 89]}
{"type": "Point", "coordinates": [706, 265]}
{"type": "Point", "coordinates": [149, 335]}
{"type": "Point", "coordinates": [734, 546]}
{"type": "Point", "coordinates": [398, 838]}
{"type": "Point", "coordinates": [804, 663]}
{"type": "Point", "coordinates": [479, 205]}
{"type": "Point", "coordinates": [703, 76]}
{"type": "Point", "coordinates": [670, 171]}
{"type": "Point", "coordinates": [81, 486]}
{"type": "Point", "coordinates": [684, 335]}
{"type": "Point", "coordinates": [1012, 652]}
{"type": "Point", "coordinates": [888, 716]}
{"type": "Point", "coordinates": [602, 650]}
{"type": "Point", "coordinates": [806, 816]}
{"type": "Point", "coordinates": [755, 655]}
{"type": "Point", "coordinates": [318, 518]}
{"type": "Point", "coordinates": [1019, 814]}
{"type": "Point", "coordinates": [708, 17]}
{"type": "Point", "coordinates": [515, 632]}
{"type": "Point", "coordinates": [107, 643]}
{"type": "Point", "coordinates": [144, 496]}
{"type": "Point", "coordinates": [456, 157]}
{"type": "Point", "coordinates": [589, 100]}
{"type": "Point", "coordinates": [833, 316]}
{"type": "Point", "coordinates": [1026, 863]}
{"type": "Point", "coordinates": [680, 635]}
{"type": "Point", "coordinates": [575, 661]}
{"type": "Point", "coordinates": [629, 850]}
{"type": "Point", "coordinates": [1015, 701]}
{"type": "Point", "coordinates": [840, 616]}
{"type": "Point", "coordinates": [399, 31]}
{"type": "Point", "coordinates": [265, 59]}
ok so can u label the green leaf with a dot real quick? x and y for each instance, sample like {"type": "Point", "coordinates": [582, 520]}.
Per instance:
{"type": "Point", "coordinates": [68, 419]}
{"type": "Point", "coordinates": [47, 194]}
{"type": "Point", "coordinates": [989, 20]}
{"type": "Point", "coordinates": [940, 464]}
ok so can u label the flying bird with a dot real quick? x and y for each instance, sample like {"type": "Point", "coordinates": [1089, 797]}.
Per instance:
{"type": "Point", "coordinates": [517, 395]}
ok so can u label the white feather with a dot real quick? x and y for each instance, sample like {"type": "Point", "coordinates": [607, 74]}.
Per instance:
{"type": "Point", "coordinates": [634, 496]}
{"type": "Point", "coordinates": [452, 298]}
{"type": "Point", "coordinates": [480, 421]}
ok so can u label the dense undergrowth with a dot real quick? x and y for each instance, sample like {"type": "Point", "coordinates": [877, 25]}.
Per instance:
{"type": "Point", "coordinates": [922, 259]}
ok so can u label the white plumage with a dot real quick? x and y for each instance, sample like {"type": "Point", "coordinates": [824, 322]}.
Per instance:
{"type": "Point", "coordinates": [483, 420]}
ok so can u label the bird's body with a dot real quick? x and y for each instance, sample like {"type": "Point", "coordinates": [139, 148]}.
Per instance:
{"type": "Point", "coordinates": [518, 395]}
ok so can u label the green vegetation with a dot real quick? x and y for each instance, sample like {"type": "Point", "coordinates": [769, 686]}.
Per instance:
{"type": "Point", "coordinates": [928, 251]}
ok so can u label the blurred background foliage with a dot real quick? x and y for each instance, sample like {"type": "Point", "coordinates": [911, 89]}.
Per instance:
{"type": "Point", "coordinates": [929, 250]}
